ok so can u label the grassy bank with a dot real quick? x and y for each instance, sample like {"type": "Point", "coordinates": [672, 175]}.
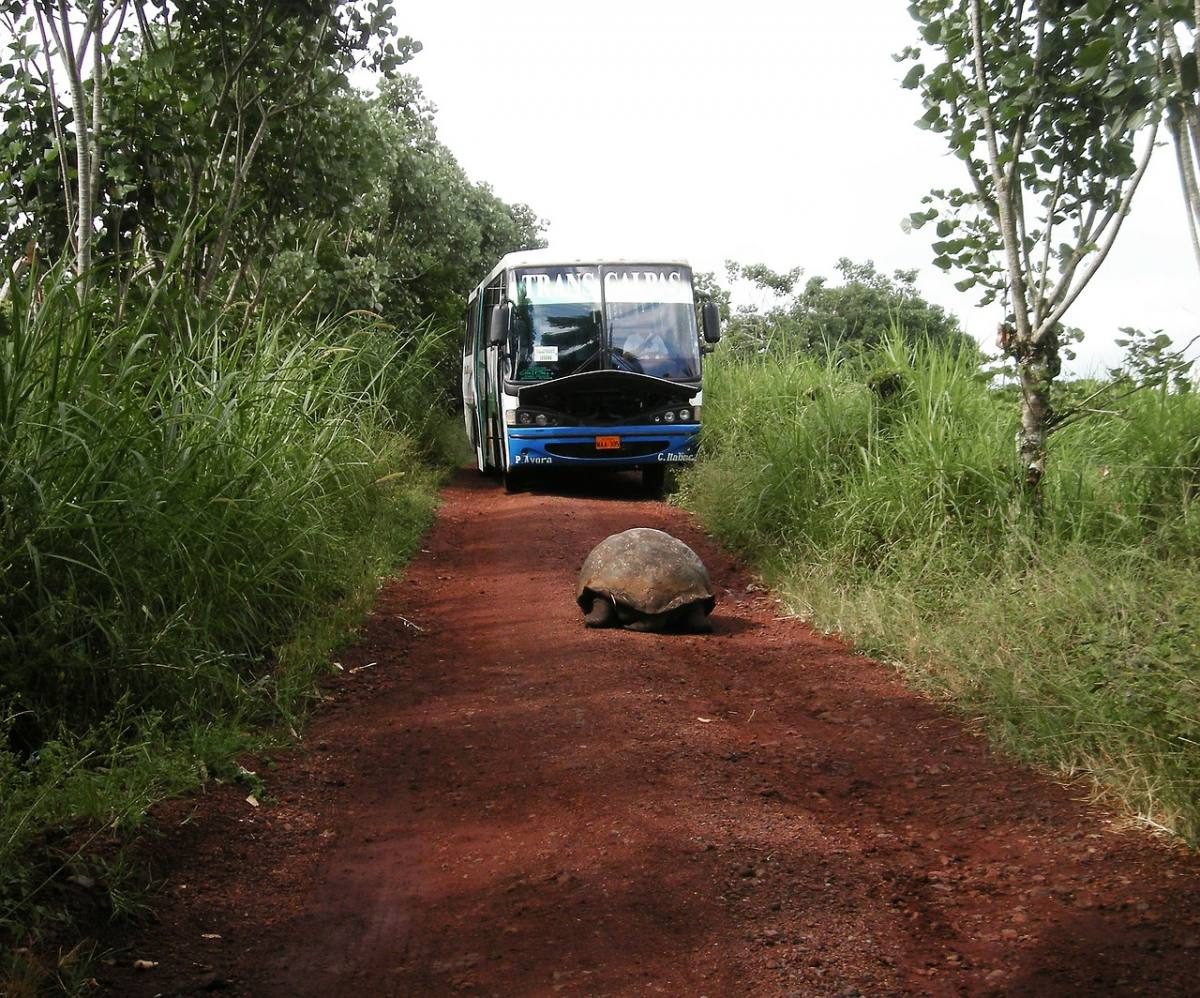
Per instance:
{"type": "Point", "coordinates": [194, 508]}
{"type": "Point", "coordinates": [877, 494]}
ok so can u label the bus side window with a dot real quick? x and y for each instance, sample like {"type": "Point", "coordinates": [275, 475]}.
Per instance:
{"type": "Point", "coordinates": [469, 327]}
{"type": "Point", "coordinates": [492, 296]}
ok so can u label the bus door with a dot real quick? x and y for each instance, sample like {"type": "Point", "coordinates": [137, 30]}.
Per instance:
{"type": "Point", "coordinates": [487, 385]}
{"type": "Point", "coordinates": [470, 324]}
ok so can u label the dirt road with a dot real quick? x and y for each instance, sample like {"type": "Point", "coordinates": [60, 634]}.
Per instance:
{"type": "Point", "coordinates": [496, 801]}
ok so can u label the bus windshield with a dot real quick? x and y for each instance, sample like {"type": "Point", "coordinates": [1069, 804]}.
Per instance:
{"type": "Point", "coordinates": [644, 322]}
{"type": "Point", "coordinates": [651, 321]}
{"type": "Point", "coordinates": [556, 322]}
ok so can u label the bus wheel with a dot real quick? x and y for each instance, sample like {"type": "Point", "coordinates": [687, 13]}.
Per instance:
{"type": "Point", "coordinates": [654, 478]}
{"type": "Point", "coordinates": [514, 480]}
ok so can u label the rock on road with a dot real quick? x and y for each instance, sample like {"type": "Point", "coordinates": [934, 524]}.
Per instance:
{"type": "Point", "coordinates": [494, 800]}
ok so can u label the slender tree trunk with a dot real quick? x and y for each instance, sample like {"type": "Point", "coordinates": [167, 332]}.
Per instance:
{"type": "Point", "coordinates": [97, 93]}
{"type": "Point", "coordinates": [59, 137]}
{"type": "Point", "coordinates": [1184, 126]}
{"type": "Point", "coordinates": [86, 158]}
{"type": "Point", "coordinates": [232, 205]}
{"type": "Point", "coordinates": [83, 150]}
{"type": "Point", "coordinates": [1036, 375]}
{"type": "Point", "coordinates": [1190, 185]}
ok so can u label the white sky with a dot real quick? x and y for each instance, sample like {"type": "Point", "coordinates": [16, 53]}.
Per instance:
{"type": "Point", "coordinates": [759, 131]}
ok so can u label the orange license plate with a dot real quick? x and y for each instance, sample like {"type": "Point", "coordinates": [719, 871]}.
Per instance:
{"type": "Point", "coordinates": [608, 443]}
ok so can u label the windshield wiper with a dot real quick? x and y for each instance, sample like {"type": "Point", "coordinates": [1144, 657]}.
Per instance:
{"type": "Point", "coordinates": [579, 367]}
{"type": "Point", "coordinates": [615, 358]}
{"type": "Point", "coordinates": [615, 355]}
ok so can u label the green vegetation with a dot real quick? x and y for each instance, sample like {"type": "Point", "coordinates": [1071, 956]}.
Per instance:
{"type": "Point", "coordinates": [189, 501]}
{"type": "Point", "coordinates": [227, 283]}
{"type": "Point", "coordinates": [232, 159]}
{"type": "Point", "coordinates": [873, 476]}
{"type": "Point", "coordinates": [1046, 106]}
{"type": "Point", "coordinates": [876, 493]}
{"type": "Point", "coordinates": [819, 317]}
{"type": "Point", "coordinates": [179, 490]}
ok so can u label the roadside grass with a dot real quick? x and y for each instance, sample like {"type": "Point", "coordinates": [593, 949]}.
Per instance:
{"type": "Point", "coordinates": [195, 510]}
{"type": "Point", "coordinates": [876, 495]}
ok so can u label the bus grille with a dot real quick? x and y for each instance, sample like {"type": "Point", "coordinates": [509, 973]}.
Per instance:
{"type": "Point", "coordinates": [634, 448]}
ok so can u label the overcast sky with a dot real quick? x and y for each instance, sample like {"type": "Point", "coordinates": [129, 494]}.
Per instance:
{"type": "Point", "coordinates": [758, 131]}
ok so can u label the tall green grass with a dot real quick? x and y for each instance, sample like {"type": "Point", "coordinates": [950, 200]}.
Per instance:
{"type": "Point", "coordinates": [878, 494]}
{"type": "Point", "coordinates": [185, 491]}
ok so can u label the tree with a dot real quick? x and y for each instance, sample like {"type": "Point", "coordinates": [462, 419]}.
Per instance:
{"type": "Point", "coordinates": [859, 312]}
{"type": "Point", "coordinates": [240, 164]}
{"type": "Point", "coordinates": [708, 288]}
{"type": "Point", "coordinates": [1180, 69]}
{"type": "Point", "coordinates": [197, 100]}
{"type": "Point", "coordinates": [1043, 103]}
{"type": "Point", "coordinates": [74, 38]}
{"type": "Point", "coordinates": [427, 228]}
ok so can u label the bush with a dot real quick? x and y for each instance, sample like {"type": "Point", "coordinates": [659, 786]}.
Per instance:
{"type": "Point", "coordinates": [893, 517]}
{"type": "Point", "coordinates": [863, 312]}
{"type": "Point", "coordinates": [179, 489]}
{"type": "Point", "coordinates": [184, 496]}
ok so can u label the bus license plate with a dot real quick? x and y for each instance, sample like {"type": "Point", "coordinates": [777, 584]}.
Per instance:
{"type": "Point", "coordinates": [608, 443]}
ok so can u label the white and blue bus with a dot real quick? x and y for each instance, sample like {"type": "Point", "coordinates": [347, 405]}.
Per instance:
{"type": "Point", "coordinates": [584, 363]}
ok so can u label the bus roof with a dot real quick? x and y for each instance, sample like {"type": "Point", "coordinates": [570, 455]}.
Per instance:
{"type": "Point", "coordinates": [550, 258]}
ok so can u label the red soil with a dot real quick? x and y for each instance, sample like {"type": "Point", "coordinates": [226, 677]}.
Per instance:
{"type": "Point", "coordinates": [501, 802]}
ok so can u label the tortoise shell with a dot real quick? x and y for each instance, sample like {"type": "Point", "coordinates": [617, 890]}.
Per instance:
{"type": "Point", "coordinates": [646, 570]}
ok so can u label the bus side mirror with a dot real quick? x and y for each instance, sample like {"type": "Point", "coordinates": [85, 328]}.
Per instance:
{"type": "Point", "coordinates": [712, 322]}
{"type": "Point", "coordinates": [499, 324]}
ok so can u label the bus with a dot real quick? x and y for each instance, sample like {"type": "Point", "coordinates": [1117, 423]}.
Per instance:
{"type": "Point", "coordinates": [584, 362]}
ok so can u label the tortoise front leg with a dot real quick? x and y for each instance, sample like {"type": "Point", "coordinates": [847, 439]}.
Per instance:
{"type": "Point", "coordinates": [697, 620]}
{"type": "Point", "coordinates": [602, 614]}
{"type": "Point", "coordinates": [646, 623]}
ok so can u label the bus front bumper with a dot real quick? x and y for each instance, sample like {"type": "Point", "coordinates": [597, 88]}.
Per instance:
{"type": "Point", "coordinates": [529, 446]}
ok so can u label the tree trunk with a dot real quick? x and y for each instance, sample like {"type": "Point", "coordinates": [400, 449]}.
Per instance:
{"type": "Point", "coordinates": [1036, 413]}
{"type": "Point", "coordinates": [1190, 184]}
{"type": "Point", "coordinates": [232, 204]}
{"type": "Point", "coordinates": [83, 153]}
{"type": "Point", "coordinates": [59, 138]}
{"type": "Point", "coordinates": [87, 162]}
{"type": "Point", "coordinates": [1184, 125]}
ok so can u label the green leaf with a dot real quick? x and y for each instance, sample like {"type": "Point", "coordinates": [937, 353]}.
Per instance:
{"type": "Point", "coordinates": [1094, 53]}
{"type": "Point", "coordinates": [913, 77]}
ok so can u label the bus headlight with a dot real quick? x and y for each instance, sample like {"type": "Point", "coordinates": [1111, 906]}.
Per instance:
{"type": "Point", "coordinates": [525, 418]}
{"type": "Point", "coordinates": [685, 415]}
{"type": "Point", "coordinates": [541, 419]}
{"type": "Point", "coordinates": [669, 417]}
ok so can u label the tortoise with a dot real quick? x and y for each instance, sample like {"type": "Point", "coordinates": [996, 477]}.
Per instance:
{"type": "Point", "coordinates": [646, 580]}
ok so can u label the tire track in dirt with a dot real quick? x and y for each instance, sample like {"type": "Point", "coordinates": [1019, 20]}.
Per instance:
{"type": "Point", "coordinates": [495, 800]}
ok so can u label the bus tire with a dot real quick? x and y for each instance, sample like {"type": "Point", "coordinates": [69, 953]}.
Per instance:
{"type": "Point", "coordinates": [654, 480]}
